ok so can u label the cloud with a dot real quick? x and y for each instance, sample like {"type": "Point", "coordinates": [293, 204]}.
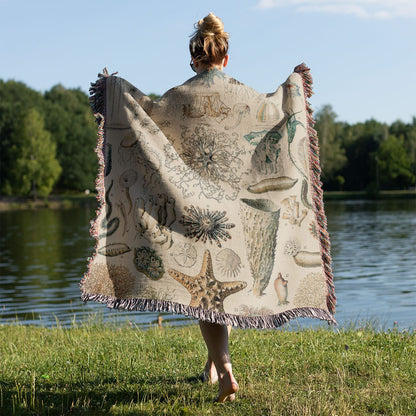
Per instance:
{"type": "Point", "coordinates": [367, 9]}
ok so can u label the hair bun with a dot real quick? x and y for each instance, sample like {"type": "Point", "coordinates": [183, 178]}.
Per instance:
{"type": "Point", "coordinates": [211, 25]}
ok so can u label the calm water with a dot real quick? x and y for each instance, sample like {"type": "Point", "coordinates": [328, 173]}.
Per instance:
{"type": "Point", "coordinates": [43, 257]}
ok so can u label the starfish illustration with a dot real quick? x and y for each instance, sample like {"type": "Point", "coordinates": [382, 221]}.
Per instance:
{"type": "Point", "coordinates": [206, 291]}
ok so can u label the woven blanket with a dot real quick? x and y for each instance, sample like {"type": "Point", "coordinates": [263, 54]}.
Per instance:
{"type": "Point", "coordinates": [210, 202]}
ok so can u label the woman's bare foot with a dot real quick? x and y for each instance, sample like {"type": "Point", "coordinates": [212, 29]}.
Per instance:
{"type": "Point", "coordinates": [228, 388]}
{"type": "Point", "coordinates": [209, 374]}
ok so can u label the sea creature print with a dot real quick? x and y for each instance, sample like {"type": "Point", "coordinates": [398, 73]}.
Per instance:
{"type": "Point", "coordinates": [267, 152]}
{"type": "Point", "coordinates": [229, 262]}
{"type": "Point", "coordinates": [292, 89]}
{"type": "Point", "coordinates": [114, 249]}
{"type": "Point", "coordinates": [153, 218]}
{"type": "Point", "coordinates": [280, 183]}
{"type": "Point", "coordinates": [127, 179]}
{"type": "Point", "coordinates": [206, 291]}
{"type": "Point", "coordinates": [260, 219]}
{"type": "Point", "coordinates": [149, 125]}
{"type": "Point", "coordinates": [280, 286]}
{"type": "Point", "coordinates": [267, 113]}
{"type": "Point", "coordinates": [313, 229]}
{"type": "Point", "coordinates": [240, 110]}
{"type": "Point", "coordinates": [107, 159]}
{"type": "Point", "coordinates": [148, 262]}
{"type": "Point", "coordinates": [302, 258]}
{"type": "Point", "coordinates": [207, 78]}
{"type": "Point", "coordinates": [292, 211]}
{"type": "Point", "coordinates": [206, 225]}
{"type": "Point", "coordinates": [207, 106]}
{"type": "Point", "coordinates": [110, 226]}
{"type": "Point", "coordinates": [109, 279]}
{"type": "Point", "coordinates": [185, 254]}
{"type": "Point", "coordinates": [122, 209]}
{"type": "Point", "coordinates": [209, 161]}
{"type": "Point", "coordinates": [246, 310]}
{"type": "Point", "coordinates": [312, 292]}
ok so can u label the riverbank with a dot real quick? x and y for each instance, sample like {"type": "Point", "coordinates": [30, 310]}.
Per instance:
{"type": "Point", "coordinates": [66, 201]}
{"type": "Point", "coordinates": [104, 369]}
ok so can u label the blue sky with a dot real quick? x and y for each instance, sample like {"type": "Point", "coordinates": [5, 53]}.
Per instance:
{"type": "Point", "coordinates": [362, 53]}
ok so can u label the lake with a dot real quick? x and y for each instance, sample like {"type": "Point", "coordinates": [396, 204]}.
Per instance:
{"type": "Point", "coordinates": [43, 257]}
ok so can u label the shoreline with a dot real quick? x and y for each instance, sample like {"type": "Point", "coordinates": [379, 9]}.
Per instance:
{"type": "Point", "coordinates": [67, 201]}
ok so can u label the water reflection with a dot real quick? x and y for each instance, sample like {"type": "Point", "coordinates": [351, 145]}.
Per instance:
{"type": "Point", "coordinates": [43, 257]}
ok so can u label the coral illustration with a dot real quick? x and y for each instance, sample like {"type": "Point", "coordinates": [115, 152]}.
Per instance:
{"type": "Point", "coordinates": [291, 213]}
{"type": "Point", "coordinates": [260, 218]}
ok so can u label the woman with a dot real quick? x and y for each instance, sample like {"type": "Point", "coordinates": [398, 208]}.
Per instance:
{"type": "Point", "coordinates": [211, 204]}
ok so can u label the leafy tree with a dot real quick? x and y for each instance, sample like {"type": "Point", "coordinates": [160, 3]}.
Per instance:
{"type": "Point", "coordinates": [394, 164]}
{"type": "Point", "coordinates": [35, 166]}
{"type": "Point", "coordinates": [332, 154]}
{"type": "Point", "coordinates": [71, 123]}
{"type": "Point", "coordinates": [16, 98]}
{"type": "Point", "coordinates": [361, 142]}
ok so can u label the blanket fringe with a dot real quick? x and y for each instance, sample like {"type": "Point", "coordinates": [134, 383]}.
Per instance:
{"type": "Point", "coordinates": [97, 102]}
{"type": "Point", "coordinates": [317, 192]}
{"type": "Point", "coordinates": [245, 322]}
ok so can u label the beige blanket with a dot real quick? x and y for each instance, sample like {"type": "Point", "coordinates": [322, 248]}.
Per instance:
{"type": "Point", "coordinates": [211, 204]}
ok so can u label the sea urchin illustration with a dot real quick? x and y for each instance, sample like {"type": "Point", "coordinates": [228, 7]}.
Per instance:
{"type": "Point", "coordinates": [203, 224]}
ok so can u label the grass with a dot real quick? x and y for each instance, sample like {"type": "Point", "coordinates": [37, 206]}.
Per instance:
{"type": "Point", "coordinates": [108, 369]}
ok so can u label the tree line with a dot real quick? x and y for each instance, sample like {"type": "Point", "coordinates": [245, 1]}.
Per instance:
{"type": "Point", "coordinates": [47, 143]}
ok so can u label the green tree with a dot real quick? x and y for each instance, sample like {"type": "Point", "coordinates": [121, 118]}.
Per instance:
{"type": "Point", "coordinates": [332, 154]}
{"type": "Point", "coordinates": [35, 167]}
{"type": "Point", "coordinates": [394, 164]}
{"type": "Point", "coordinates": [71, 123]}
{"type": "Point", "coordinates": [16, 98]}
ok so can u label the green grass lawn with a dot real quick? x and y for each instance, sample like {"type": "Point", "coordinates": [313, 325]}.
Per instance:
{"type": "Point", "coordinates": [109, 369]}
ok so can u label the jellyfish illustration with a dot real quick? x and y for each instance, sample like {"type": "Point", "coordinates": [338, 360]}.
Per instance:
{"type": "Point", "coordinates": [127, 179]}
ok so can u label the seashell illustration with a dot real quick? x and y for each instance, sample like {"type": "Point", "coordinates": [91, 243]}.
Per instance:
{"type": "Point", "coordinates": [280, 285]}
{"type": "Point", "coordinates": [272, 184]}
{"type": "Point", "coordinates": [229, 262]}
{"type": "Point", "coordinates": [115, 249]}
{"type": "Point", "coordinates": [260, 218]}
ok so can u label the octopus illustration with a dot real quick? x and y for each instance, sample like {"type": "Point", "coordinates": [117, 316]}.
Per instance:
{"type": "Point", "coordinates": [206, 225]}
{"type": "Point", "coordinates": [206, 291]}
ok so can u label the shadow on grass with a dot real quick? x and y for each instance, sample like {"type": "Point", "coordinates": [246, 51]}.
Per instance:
{"type": "Point", "coordinates": [100, 396]}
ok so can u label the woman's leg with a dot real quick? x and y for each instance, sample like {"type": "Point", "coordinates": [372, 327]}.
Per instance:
{"type": "Point", "coordinates": [209, 373]}
{"type": "Point", "coordinates": [216, 339]}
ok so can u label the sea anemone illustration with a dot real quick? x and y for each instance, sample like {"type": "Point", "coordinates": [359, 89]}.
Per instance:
{"type": "Point", "coordinates": [148, 262]}
{"type": "Point", "coordinates": [203, 224]}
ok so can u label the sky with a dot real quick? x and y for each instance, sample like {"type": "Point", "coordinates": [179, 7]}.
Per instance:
{"type": "Point", "coordinates": [362, 53]}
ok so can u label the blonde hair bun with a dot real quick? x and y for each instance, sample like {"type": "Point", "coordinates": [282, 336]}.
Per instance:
{"type": "Point", "coordinates": [209, 43]}
{"type": "Point", "coordinates": [211, 25]}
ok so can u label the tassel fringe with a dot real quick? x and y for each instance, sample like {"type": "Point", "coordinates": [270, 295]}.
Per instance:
{"type": "Point", "coordinates": [317, 193]}
{"type": "Point", "coordinates": [97, 102]}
